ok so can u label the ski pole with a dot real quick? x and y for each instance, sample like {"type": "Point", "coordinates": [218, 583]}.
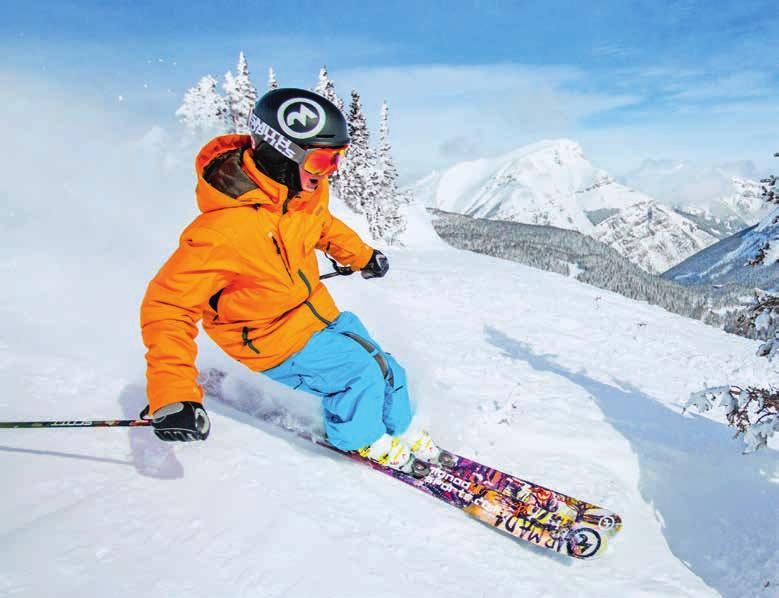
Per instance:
{"type": "Point", "coordinates": [93, 423]}
{"type": "Point", "coordinates": [331, 275]}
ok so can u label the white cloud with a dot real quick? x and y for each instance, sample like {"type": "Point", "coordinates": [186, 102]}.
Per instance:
{"type": "Point", "coordinates": [484, 109]}
{"type": "Point", "coordinates": [736, 85]}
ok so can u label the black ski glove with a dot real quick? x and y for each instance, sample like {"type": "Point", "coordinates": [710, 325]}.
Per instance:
{"type": "Point", "coordinates": [377, 267]}
{"type": "Point", "coordinates": [180, 422]}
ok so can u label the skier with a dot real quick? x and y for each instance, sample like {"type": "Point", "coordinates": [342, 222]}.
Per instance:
{"type": "Point", "coordinates": [247, 268]}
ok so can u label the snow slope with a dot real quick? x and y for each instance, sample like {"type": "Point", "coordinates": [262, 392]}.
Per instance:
{"type": "Point", "coordinates": [531, 371]}
{"type": "Point", "coordinates": [534, 377]}
{"type": "Point", "coordinates": [552, 183]}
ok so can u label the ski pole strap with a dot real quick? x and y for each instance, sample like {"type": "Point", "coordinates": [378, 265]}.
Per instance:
{"type": "Point", "coordinates": [338, 270]}
{"type": "Point", "coordinates": [93, 423]}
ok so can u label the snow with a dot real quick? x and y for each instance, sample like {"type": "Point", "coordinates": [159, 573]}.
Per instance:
{"type": "Point", "coordinates": [536, 373]}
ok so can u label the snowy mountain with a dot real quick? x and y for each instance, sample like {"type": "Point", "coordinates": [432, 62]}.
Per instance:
{"type": "Point", "coordinates": [722, 199]}
{"type": "Point", "coordinates": [533, 372]}
{"type": "Point", "coordinates": [549, 183]}
{"type": "Point", "coordinates": [552, 183]}
{"type": "Point", "coordinates": [727, 261]}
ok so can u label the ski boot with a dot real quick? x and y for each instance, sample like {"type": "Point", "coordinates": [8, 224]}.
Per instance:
{"type": "Point", "coordinates": [390, 452]}
{"type": "Point", "coordinates": [422, 445]}
{"type": "Point", "coordinates": [424, 449]}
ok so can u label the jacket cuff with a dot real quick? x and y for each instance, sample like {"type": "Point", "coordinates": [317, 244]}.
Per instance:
{"type": "Point", "coordinates": [158, 402]}
{"type": "Point", "coordinates": [363, 258]}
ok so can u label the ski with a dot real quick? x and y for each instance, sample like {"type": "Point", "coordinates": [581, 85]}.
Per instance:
{"type": "Point", "coordinates": [593, 525]}
{"type": "Point", "coordinates": [508, 504]}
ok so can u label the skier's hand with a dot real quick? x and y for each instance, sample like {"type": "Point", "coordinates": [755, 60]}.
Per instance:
{"type": "Point", "coordinates": [377, 267]}
{"type": "Point", "coordinates": [180, 422]}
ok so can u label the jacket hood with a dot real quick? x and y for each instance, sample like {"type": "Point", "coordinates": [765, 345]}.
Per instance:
{"type": "Point", "coordinates": [227, 177]}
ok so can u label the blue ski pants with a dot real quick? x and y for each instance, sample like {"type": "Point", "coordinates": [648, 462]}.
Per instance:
{"type": "Point", "coordinates": [363, 389]}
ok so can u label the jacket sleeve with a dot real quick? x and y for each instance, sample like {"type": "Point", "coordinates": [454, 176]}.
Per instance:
{"type": "Point", "coordinates": [203, 264]}
{"type": "Point", "coordinates": [345, 245]}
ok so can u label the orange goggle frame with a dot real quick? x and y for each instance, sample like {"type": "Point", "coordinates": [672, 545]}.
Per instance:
{"type": "Point", "coordinates": [322, 161]}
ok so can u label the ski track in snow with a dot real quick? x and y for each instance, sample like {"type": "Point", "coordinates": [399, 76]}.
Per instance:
{"type": "Point", "coordinates": [561, 383]}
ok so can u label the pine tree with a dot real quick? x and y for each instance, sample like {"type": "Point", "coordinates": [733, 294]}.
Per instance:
{"type": "Point", "coordinates": [388, 201]}
{"type": "Point", "coordinates": [241, 96]}
{"type": "Point", "coordinates": [326, 88]}
{"type": "Point", "coordinates": [272, 82]}
{"type": "Point", "coordinates": [203, 110]}
{"type": "Point", "coordinates": [355, 172]}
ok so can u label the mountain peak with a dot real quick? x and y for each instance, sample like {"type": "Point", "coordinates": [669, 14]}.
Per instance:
{"type": "Point", "coordinates": [567, 150]}
{"type": "Point", "coordinates": [552, 183]}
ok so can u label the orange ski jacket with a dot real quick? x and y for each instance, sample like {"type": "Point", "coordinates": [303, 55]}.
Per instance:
{"type": "Point", "coordinates": [247, 267]}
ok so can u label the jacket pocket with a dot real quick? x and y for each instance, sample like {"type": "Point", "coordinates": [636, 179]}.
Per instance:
{"type": "Point", "coordinates": [308, 303]}
{"type": "Point", "coordinates": [281, 256]}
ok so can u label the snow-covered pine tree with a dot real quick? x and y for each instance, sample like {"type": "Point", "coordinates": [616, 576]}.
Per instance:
{"type": "Point", "coordinates": [378, 221]}
{"type": "Point", "coordinates": [241, 95]}
{"type": "Point", "coordinates": [355, 172]}
{"type": "Point", "coordinates": [229, 87]}
{"type": "Point", "coordinates": [326, 88]}
{"type": "Point", "coordinates": [388, 199]}
{"type": "Point", "coordinates": [272, 82]}
{"type": "Point", "coordinates": [203, 110]}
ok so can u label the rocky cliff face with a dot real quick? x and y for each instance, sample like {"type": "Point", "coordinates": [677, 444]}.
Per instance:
{"type": "Point", "coordinates": [652, 235]}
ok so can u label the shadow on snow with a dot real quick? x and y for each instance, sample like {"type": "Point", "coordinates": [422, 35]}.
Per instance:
{"type": "Point", "coordinates": [716, 506]}
{"type": "Point", "coordinates": [150, 457]}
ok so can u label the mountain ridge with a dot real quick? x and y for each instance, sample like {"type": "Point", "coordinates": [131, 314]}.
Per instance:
{"type": "Point", "coordinates": [552, 183]}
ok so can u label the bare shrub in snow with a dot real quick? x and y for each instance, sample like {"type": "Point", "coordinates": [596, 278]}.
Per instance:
{"type": "Point", "coordinates": [753, 412]}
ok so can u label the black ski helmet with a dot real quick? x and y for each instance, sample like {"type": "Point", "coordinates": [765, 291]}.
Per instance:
{"type": "Point", "coordinates": [302, 117]}
{"type": "Point", "coordinates": [285, 123]}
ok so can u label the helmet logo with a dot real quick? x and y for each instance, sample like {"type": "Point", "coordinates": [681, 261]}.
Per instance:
{"type": "Point", "coordinates": [301, 118]}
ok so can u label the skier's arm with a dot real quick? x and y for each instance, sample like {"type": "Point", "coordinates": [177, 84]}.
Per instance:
{"type": "Point", "coordinates": [345, 245]}
{"type": "Point", "coordinates": [203, 264]}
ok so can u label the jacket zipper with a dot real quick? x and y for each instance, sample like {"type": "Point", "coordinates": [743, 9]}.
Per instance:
{"type": "Point", "coordinates": [247, 342]}
{"type": "Point", "coordinates": [308, 303]}
{"type": "Point", "coordinates": [281, 257]}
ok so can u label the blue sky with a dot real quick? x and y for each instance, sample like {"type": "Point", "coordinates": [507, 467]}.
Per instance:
{"type": "Point", "coordinates": [629, 80]}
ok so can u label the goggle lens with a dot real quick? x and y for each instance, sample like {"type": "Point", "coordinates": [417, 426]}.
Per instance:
{"type": "Point", "coordinates": [323, 161]}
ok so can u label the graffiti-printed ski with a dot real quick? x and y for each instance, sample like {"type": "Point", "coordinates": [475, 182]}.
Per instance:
{"type": "Point", "coordinates": [592, 526]}
{"type": "Point", "coordinates": [508, 504]}
{"type": "Point", "coordinates": [513, 506]}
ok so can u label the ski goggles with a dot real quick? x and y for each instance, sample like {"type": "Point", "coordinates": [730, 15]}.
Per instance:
{"type": "Point", "coordinates": [322, 161]}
